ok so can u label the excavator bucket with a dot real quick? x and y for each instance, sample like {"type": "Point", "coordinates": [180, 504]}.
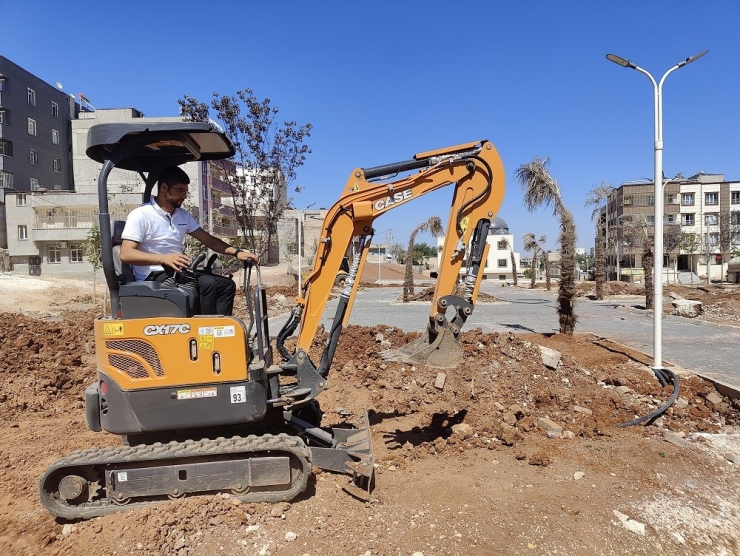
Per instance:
{"type": "Point", "coordinates": [434, 349]}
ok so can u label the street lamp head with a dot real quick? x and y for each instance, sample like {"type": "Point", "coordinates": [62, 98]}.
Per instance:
{"type": "Point", "coordinates": [692, 58]}
{"type": "Point", "coordinates": [619, 60]}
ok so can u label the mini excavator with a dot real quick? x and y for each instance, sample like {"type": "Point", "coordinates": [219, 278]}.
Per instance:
{"type": "Point", "coordinates": [199, 403]}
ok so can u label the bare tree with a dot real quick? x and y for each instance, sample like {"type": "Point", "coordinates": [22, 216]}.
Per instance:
{"type": "Point", "coordinates": [598, 198]}
{"type": "Point", "coordinates": [540, 189]}
{"type": "Point", "coordinates": [690, 243]}
{"type": "Point", "coordinates": [671, 241]}
{"type": "Point", "coordinates": [433, 226]}
{"type": "Point", "coordinates": [725, 237]}
{"type": "Point", "coordinates": [266, 159]}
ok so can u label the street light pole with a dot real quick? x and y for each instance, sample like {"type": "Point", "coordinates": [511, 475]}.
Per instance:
{"type": "Point", "coordinates": [658, 197]}
{"type": "Point", "coordinates": [300, 243]}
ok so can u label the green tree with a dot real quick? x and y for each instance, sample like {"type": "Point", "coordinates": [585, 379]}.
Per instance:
{"type": "Point", "coordinates": [598, 198]}
{"type": "Point", "coordinates": [540, 190]}
{"type": "Point", "coordinates": [433, 226]}
{"type": "Point", "coordinates": [267, 157]}
{"type": "Point", "coordinates": [91, 247]}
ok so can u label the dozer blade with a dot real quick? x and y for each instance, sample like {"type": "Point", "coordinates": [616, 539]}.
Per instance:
{"type": "Point", "coordinates": [442, 350]}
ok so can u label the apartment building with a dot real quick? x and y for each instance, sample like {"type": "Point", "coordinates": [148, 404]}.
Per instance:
{"type": "Point", "coordinates": [699, 211]}
{"type": "Point", "coordinates": [498, 264]}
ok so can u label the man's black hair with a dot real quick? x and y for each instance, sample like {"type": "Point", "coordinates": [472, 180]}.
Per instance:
{"type": "Point", "coordinates": [172, 175]}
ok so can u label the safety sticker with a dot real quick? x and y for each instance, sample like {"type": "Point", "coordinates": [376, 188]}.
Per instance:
{"type": "Point", "coordinates": [224, 331]}
{"type": "Point", "coordinates": [196, 393]}
{"type": "Point", "coordinates": [122, 476]}
{"type": "Point", "coordinates": [238, 394]}
{"type": "Point", "coordinates": [115, 329]}
{"type": "Point", "coordinates": [206, 341]}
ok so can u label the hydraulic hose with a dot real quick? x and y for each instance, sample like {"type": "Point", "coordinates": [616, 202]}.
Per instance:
{"type": "Point", "coordinates": [664, 376]}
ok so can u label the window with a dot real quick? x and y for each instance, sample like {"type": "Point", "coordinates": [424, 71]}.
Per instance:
{"type": "Point", "coordinates": [713, 239]}
{"type": "Point", "coordinates": [6, 147]}
{"type": "Point", "coordinates": [6, 179]}
{"type": "Point", "coordinates": [33, 156]}
{"type": "Point", "coordinates": [711, 219]}
{"type": "Point", "coordinates": [735, 238]}
{"type": "Point", "coordinates": [20, 200]}
{"type": "Point", "coordinates": [4, 117]}
{"type": "Point", "coordinates": [501, 245]}
{"type": "Point", "coordinates": [2, 83]}
{"type": "Point", "coordinates": [711, 199]}
{"type": "Point", "coordinates": [687, 219]}
{"type": "Point", "coordinates": [687, 199]}
{"type": "Point", "coordinates": [735, 197]}
{"type": "Point", "coordinates": [31, 97]}
{"type": "Point", "coordinates": [31, 126]}
{"type": "Point", "coordinates": [670, 199]}
{"type": "Point", "coordinates": [670, 219]}
{"type": "Point", "coordinates": [54, 254]}
{"type": "Point", "coordinates": [76, 253]}
{"type": "Point", "coordinates": [34, 184]}
{"type": "Point", "coordinates": [735, 217]}
{"type": "Point", "coordinates": [503, 263]}
{"type": "Point", "coordinates": [55, 136]}
{"type": "Point", "coordinates": [22, 232]}
{"type": "Point", "coordinates": [650, 219]}
{"type": "Point", "coordinates": [57, 164]}
{"type": "Point", "coordinates": [55, 109]}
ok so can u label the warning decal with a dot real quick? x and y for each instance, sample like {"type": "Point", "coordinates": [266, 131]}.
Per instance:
{"type": "Point", "coordinates": [115, 329]}
{"type": "Point", "coordinates": [195, 393]}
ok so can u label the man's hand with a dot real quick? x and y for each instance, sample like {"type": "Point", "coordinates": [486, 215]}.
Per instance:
{"type": "Point", "coordinates": [178, 261]}
{"type": "Point", "coordinates": [245, 255]}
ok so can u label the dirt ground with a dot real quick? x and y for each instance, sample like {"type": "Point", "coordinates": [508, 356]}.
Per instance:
{"type": "Point", "coordinates": [507, 456]}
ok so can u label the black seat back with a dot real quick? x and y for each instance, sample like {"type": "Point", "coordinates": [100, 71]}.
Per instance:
{"type": "Point", "coordinates": [124, 272]}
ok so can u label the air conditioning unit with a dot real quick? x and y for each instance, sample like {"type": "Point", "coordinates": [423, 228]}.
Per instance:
{"type": "Point", "coordinates": [62, 244]}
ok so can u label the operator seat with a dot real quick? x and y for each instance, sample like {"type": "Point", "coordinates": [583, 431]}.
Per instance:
{"type": "Point", "coordinates": [148, 299]}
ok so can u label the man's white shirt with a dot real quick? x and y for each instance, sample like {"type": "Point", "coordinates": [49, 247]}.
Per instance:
{"type": "Point", "coordinates": [157, 232]}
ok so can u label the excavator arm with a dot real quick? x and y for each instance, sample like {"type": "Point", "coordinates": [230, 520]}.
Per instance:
{"type": "Point", "coordinates": [476, 172]}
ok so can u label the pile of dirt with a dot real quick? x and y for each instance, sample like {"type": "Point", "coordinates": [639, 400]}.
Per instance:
{"type": "Point", "coordinates": [720, 302]}
{"type": "Point", "coordinates": [500, 454]}
{"type": "Point", "coordinates": [427, 295]}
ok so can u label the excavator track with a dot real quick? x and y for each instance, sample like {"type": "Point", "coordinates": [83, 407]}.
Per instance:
{"type": "Point", "coordinates": [91, 483]}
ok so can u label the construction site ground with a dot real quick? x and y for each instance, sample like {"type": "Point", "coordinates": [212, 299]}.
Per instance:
{"type": "Point", "coordinates": [501, 455]}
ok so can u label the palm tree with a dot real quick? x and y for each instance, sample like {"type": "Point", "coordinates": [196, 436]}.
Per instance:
{"type": "Point", "coordinates": [433, 226]}
{"type": "Point", "coordinates": [545, 261]}
{"type": "Point", "coordinates": [530, 244]}
{"type": "Point", "coordinates": [598, 197]}
{"type": "Point", "coordinates": [513, 262]}
{"type": "Point", "coordinates": [540, 189]}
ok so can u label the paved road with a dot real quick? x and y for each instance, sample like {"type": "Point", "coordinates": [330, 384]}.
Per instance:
{"type": "Point", "coordinates": [694, 345]}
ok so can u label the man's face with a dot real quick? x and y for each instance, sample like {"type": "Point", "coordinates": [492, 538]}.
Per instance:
{"type": "Point", "coordinates": [176, 194]}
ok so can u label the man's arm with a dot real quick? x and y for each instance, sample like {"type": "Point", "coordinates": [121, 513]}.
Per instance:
{"type": "Point", "coordinates": [131, 254]}
{"type": "Point", "coordinates": [219, 246]}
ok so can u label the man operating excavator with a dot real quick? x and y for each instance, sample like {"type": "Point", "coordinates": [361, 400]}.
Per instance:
{"type": "Point", "coordinates": [153, 241]}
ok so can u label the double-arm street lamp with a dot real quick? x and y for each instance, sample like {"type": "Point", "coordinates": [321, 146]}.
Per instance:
{"type": "Point", "coordinates": [658, 201]}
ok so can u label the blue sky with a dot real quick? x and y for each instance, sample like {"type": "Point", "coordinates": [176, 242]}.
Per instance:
{"type": "Point", "coordinates": [383, 80]}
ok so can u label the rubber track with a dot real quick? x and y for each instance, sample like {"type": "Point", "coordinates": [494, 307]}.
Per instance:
{"type": "Point", "coordinates": [173, 451]}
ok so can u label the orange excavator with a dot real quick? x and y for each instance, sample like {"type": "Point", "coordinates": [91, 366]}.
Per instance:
{"type": "Point", "coordinates": [199, 403]}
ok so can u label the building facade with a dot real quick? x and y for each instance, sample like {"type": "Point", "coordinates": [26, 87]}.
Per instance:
{"type": "Point", "coordinates": [701, 225]}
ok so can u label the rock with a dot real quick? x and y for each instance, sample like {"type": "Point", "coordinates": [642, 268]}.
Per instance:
{"type": "Point", "coordinates": [552, 429]}
{"type": "Point", "coordinates": [290, 536]}
{"type": "Point", "coordinates": [681, 403]}
{"type": "Point", "coordinates": [540, 458]}
{"type": "Point", "coordinates": [550, 357]}
{"type": "Point", "coordinates": [676, 440]}
{"type": "Point", "coordinates": [733, 458]}
{"type": "Point", "coordinates": [714, 398]}
{"type": "Point", "coordinates": [584, 410]}
{"type": "Point", "coordinates": [687, 308]}
{"type": "Point", "coordinates": [279, 509]}
{"type": "Point", "coordinates": [623, 389]}
{"type": "Point", "coordinates": [578, 475]}
{"type": "Point", "coordinates": [508, 435]}
{"type": "Point", "coordinates": [517, 411]}
{"type": "Point", "coordinates": [463, 430]}
{"type": "Point", "coordinates": [509, 418]}
{"type": "Point", "coordinates": [674, 295]}
{"type": "Point", "coordinates": [568, 434]}
{"type": "Point", "coordinates": [630, 524]}
{"type": "Point", "coordinates": [439, 382]}
{"type": "Point", "coordinates": [379, 338]}
{"type": "Point", "coordinates": [67, 529]}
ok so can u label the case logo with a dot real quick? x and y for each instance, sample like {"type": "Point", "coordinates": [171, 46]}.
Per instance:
{"type": "Point", "coordinates": [389, 201]}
